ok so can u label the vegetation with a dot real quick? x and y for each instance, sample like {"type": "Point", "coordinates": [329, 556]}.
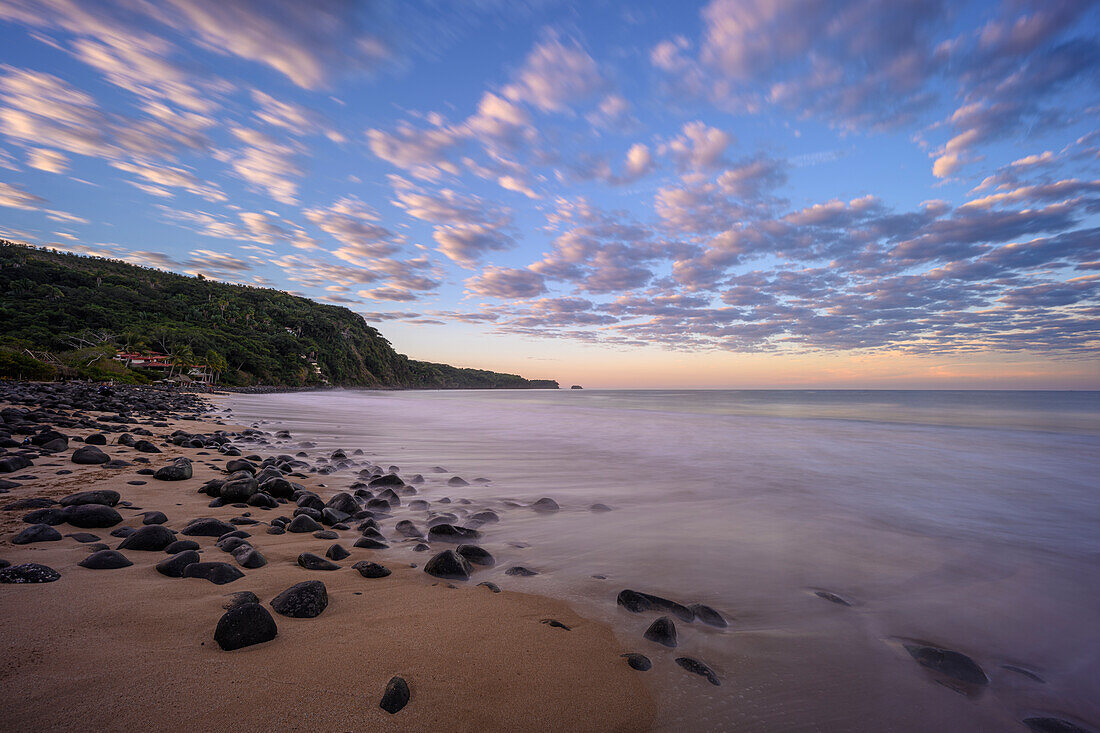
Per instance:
{"type": "Point", "coordinates": [80, 310]}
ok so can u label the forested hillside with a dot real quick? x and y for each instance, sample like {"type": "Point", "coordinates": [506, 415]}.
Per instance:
{"type": "Point", "coordinates": [82, 309]}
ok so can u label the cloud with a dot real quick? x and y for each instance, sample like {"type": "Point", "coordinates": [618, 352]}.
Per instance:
{"type": "Point", "coordinates": [698, 147]}
{"type": "Point", "coordinates": [44, 159]}
{"type": "Point", "coordinates": [556, 74]}
{"type": "Point", "coordinates": [355, 226]}
{"type": "Point", "coordinates": [506, 283]}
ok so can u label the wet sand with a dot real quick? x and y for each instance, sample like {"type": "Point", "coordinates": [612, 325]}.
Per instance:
{"type": "Point", "coordinates": [132, 649]}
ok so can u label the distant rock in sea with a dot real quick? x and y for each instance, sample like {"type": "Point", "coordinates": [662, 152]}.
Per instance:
{"type": "Point", "coordinates": [576, 386]}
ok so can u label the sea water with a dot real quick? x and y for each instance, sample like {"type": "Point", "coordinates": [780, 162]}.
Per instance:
{"type": "Point", "coordinates": [968, 520]}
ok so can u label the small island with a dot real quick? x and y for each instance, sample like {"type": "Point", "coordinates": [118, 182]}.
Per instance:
{"type": "Point", "coordinates": [576, 386]}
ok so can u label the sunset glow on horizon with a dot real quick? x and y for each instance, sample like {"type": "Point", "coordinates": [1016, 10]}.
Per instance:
{"type": "Point", "coordinates": [720, 194]}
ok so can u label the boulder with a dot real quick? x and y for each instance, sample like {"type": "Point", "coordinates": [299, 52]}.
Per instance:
{"type": "Point", "coordinates": [36, 533]}
{"type": "Point", "coordinates": [92, 516]}
{"type": "Point", "coordinates": [218, 573]}
{"type": "Point", "coordinates": [107, 497]}
{"type": "Point", "coordinates": [708, 615]}
{"type": "Point", "coordinates": [302, 524]}
{"type": "Point", "coordinates": [309, 561]}
{"type": "Point", "coordinates": [371, 569]}
{"type": "Point", "coordinates": [207, 527]}
{"type": "Point", "coordinates": [336, 552]}
{"type": "Point", "coordinates": [177, 470]}
{"type": "Point", "coordinates": [150, 538]}
{"type": "Point", "coordinates": [89, 455]}
{"type": "Point", "coordinates": [30, 572]}
{"type": "Point", "coordinates": [174, 566]}
{"type": "Point", "coordinates": [448, 564]}
{"type": "Point", "coordinates": [545, 504]}
{"type": "Point", "coordinates": [302, 600]}
{"type": "Point", "coordinates": [476, 555]}
{"type": "Point", "coordinates": [105, 560]}
{"type": "Point", "coordinates": [662, 631]}
{"type": "Point", "coordinates": [245, 625]}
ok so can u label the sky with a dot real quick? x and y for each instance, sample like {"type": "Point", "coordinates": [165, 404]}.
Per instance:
{"type": "Point", "coordinates": [734, 193]}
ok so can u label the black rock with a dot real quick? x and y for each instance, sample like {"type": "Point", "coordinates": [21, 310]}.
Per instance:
{"type": "Point", "coordinates": [302, 524]}
{"type": "Point", "coordinates": [457, 481]}
{"type": "Point", "coordinates": [369, 543]}
{"type": "Point", "coordinates": [105, 560]}
{"type": "Point", "coordinates": [92, 516]}
{"type": "Point", "coordinates": [11, 464]}
{"type": "Point", "coordinates": [36, 533]}
{"type": "Point", "coordinates": [83, 537]}
{"type": "Point", "coordinates": [96, 439]}
{"type": "Point", "coordinates": [476, 555]}
{"type": "Point", "coordinates": [662, 631]}
{"type": "Point", "coordinates": [633, 601]}
{"type": "Point", "coordinates": [30, 572]}
{"type": "Point", "coordinates": [230, 543]}
{"type": "Point", "coordinates": [371, 569]}
{"type": "Point", "coordinates": [33, 502]}
{"type": "Point", "coordinates": [599, 508]}
{"type": "Point", "coordinates": [396, 695]}
{"type": "Point", "coordinates": [50, 515]}
{"type": "Point", "coordinates": [245, 625]}
{"type": "Point", "coordinates": [174, 566]}
{"type": "Point", "coordinates": [387, 480]}
{"type": "Point", "coordinates": [89, 455]}
{"type": "Point", "coordinates": [106, 497]}
{"type": "Point", "coordinates": [337, 552]}
{"type": "Point", "coordinates": [302, 600]}
{"type": "Point", "coordinates": [491, 586]}
{"type": "Point", "coordinates": [249, 557]}
{"type": "Point", "coordinates": [150, 538]}
{"type": "Point", "coordinates": [207, 527]}
{"type": "Point", "coordinates": [155, 518]}
{"type": "Point", "coordinates": [448, 564]}
{"type": "Point", "coordinates": [545, 504]}
{"type": "Point", "coordinates": [678, 610]}
{"type": "Point", "coordinates": [407, 528]}
{"type": "Point", "coordinates": [122, 531]}
{"type": "Point", "coordinates": [832, 597]}
{"type": "Point", "coordinates": [521, 571]}
{"type": "Point", "coordinates": [326, 534]}
{"type": "Point", "coordinates": [180, 546]}
{"type": "Point", "coordinates": [240, 598]}
{"type": "Point", "coordinates": [451, 533]}
{"type": "Point", "coordinates": [146, 447]}
{"type": "Point", "coordinates": [708, 615]}
{"type": "Point", "coordinates": [1053, 725]}
{"type": "Point", "coordinates": [554, 623]}
{"type": "Point", "coordinates": [639, 662]}
{"type": "Point", "coordinates": [218, 573]}
{"type": "Point", "coordinates": [696, 667]}
{"type": "Point", "coordinates": [177, 470]}
{"type": "Point", "coordinates": [276, 530]}
{"type": "Point", "coordinates": [948, 663]}
{"type": "Point", "coordinates": [309, 561]}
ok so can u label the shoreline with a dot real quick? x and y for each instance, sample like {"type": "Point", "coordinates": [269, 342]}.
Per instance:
{"type": "Point", "coordinates": [142, 644]}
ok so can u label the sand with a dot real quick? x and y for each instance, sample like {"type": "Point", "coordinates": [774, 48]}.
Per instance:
{"type": "Point", "coordinates": [131, 649]}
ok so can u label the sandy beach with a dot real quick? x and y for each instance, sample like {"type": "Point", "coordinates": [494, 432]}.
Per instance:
{"type": "Point", "coordinates": [130, 648]}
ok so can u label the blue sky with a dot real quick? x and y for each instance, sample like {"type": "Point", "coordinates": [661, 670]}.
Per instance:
{"type": "Point", "coordinates": [725, 193]}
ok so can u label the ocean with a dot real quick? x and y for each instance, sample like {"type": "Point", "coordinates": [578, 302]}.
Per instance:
{"type": "Point", "coordinates": [969, 520]}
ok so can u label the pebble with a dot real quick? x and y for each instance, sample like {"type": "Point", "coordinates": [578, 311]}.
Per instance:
{"type": "Point", "coordinates": [521, 571]}
{"type": "Point", "coordinates": [949, 663]}
{"type": "Point", "coordinates": [396, 695]}
{"type": "Point", "coordinates": [696, 667]}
